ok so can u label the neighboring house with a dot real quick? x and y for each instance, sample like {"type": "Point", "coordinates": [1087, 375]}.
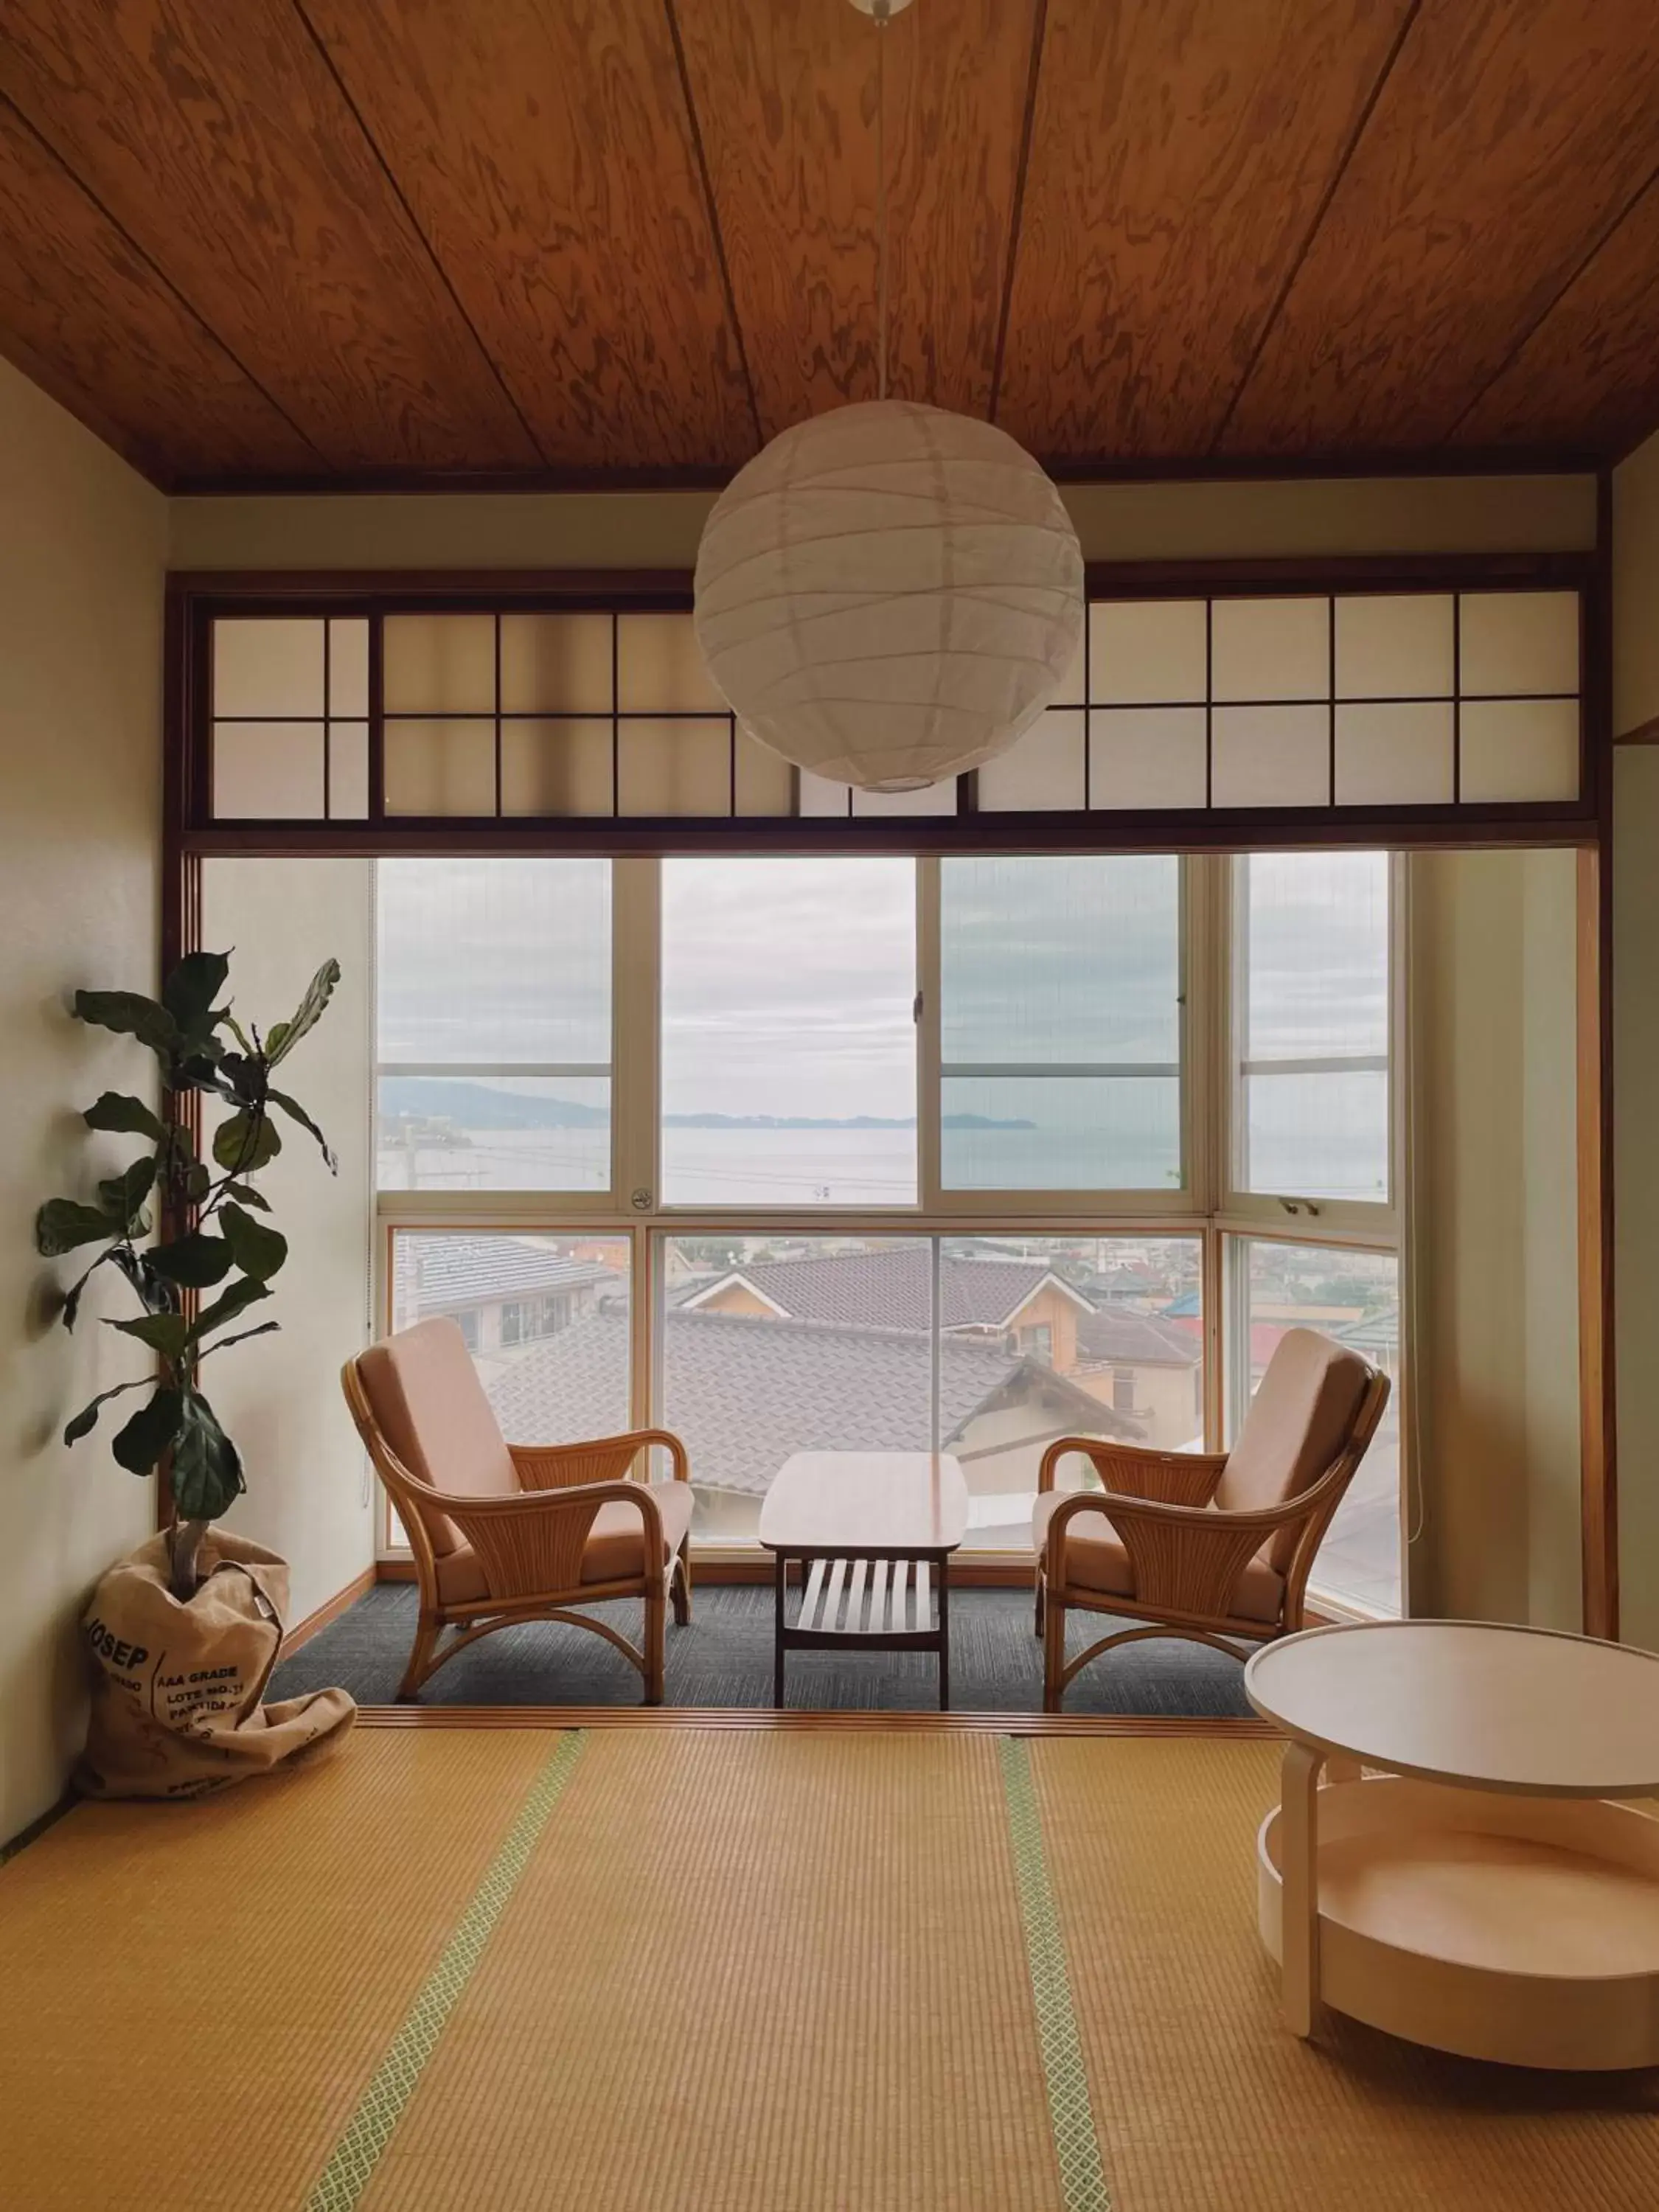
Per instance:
{"type": "Point", "coordinates": [745, 1389]}
{"type": "Point", "coordinates": [505, 1292]}
{"type": "Point", "coordinates": [1150, 1369]}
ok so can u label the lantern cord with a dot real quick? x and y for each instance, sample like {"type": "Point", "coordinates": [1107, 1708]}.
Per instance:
{"type": "Point", "coordinates": [881, 205]}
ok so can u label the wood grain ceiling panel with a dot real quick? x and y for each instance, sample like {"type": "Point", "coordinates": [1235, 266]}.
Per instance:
{"type": "Point", "coordinates": [1588, 373]}
{"type": "Point", "coordinates": [1179, 156]}
{"type": "Point", "coordinates": [85, 315]}
{"type": "Point", "coordinates": [546, 151]}
{"type": "Point", "coordinates": [785, 99]}
{"type": "Point", "coordinates": [215, 135]}
{"type": "Point", "coordinates": [1510, 134]}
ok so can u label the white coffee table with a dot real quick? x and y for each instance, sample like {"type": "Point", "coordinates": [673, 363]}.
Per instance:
{"type": "Point", "coordinates": [1480, 1891]}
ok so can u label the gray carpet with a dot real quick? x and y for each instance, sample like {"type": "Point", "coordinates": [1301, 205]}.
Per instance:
{"type": "Point", "coordinates": [725, 1658]}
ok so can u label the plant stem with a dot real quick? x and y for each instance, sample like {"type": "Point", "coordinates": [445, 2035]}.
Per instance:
{"type": "Point", "coordinates": [186, 1543]}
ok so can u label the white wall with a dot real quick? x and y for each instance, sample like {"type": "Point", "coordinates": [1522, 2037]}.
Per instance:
{"type": "Point", "coordinates": [1493, 1359]}
{"type": "Point", "coordinates": [1115, 522]}
{"type": "Point", "coordinates": [309, 1487]}
{"type": "Point", "coordinates": [1635, 1036]}
{"type": "Point", "coordinates": [82, 543]}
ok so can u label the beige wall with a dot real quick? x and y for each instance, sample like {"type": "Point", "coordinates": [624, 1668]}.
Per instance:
{"type": "Point", "coordinates": [82, 542]}
{"type": "Point", "coordinates": [1492, 1416]}
{"type": "Point", "coordinates": [1115, 522]}
{"type": "Point", "coordinates": [1635, 1036]}
{"type": "Point", "coordinates": [309, 1495]}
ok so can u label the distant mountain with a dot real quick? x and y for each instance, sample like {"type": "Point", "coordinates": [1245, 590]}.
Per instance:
{"type": "Point", "coordinates": [477, 1106]}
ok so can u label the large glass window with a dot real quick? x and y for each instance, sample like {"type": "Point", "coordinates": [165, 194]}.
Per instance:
{"type": "Point", "coordinates": [916, 1152]}
{"type": "Point", "coordinates": [495, 1024]}
{"type": "Point", "coordinates": [1353, 1296]}
{"type": "Point", "coordinates": [1311, 951]}
{"type": "Point", "coordinates": [989, 1348]}
{"type": "Point", "coordinates": [545, 1316]}
{"type": "Point", "coordinates": [788, 1032]}
{"type": "Point", "coordinates": [1059, 1023]}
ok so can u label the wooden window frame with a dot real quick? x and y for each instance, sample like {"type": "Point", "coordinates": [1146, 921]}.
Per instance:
{"type": "Point", "coordinates": [189, 836]}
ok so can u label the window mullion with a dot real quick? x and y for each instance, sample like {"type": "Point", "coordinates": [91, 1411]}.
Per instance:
{"type": "Point", "coordinates": [928, 1056]}
{"type": "Point", "coordinates": [636, 953]}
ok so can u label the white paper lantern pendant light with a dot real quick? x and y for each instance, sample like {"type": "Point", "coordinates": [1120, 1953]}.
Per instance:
{"type": "Point", "coordinates": [889, 594]}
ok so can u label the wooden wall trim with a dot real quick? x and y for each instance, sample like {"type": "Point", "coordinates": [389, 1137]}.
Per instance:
{"type": "Point", "coordinates": [341, 1601]}
{"type": "Point", "coordinates": [1597, 1371]}
{"type": "Point", "coordinates": [799, 1720]}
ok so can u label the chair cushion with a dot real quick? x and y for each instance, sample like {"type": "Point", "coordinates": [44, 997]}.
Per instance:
{"type": "Point", "coordinates": [1096, 1560]}
{"type": "Point", "coordinates": [1301, 1417]}
{"type": "Point", "coordinates": [431, 1408]}
{"type": "Point", "coordinates": [614, 1551]}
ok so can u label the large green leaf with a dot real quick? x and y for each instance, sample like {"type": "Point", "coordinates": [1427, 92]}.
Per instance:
{"type": "Point", "coordinates": [189, 993]}
{"type": "Point", "coordinates": [241, 1294]}
{"type": "Point", "coordinates": [297, 1112]}
{"type": "Point", "coordinates": [152, 1430]}
{"type": "Point", "coordinates": [130, 1014]}
{"type": "Point", "coordinates": [207, 1469]}
{"type": "Point", "coordinates": [247, 1194]}
{"type": "Point", "coordinates": [127, 1117]}
{"type": "Point", "coordinates": [246, 1143]}
{"type": "Point", "coordinates": [259, 1251]}
{"type": "Point", "coordinates": [265, 1329]}
{"type": "Point", "coordinates": [122, 1196]}
{"type": "Point", "coordinates": [166, 1332]}
{"type": "Point", "coordinates": [61, 1225]}
{"type": "Point", "coordinates": [86, 1419]}
{"type": "Point", "coordinates": [195, 1259]}
{"type": "Point", "coordinates": [286, 1035]}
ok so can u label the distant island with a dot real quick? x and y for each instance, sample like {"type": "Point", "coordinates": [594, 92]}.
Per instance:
{"type": "Point", "coordinates": [476, 1106]}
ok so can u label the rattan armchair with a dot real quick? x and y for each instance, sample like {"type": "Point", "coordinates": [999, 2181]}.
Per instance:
{"type": "Point", "coordinates": [1214, 1546]}
{"type": "Point", "coordinates": [506, 1533]}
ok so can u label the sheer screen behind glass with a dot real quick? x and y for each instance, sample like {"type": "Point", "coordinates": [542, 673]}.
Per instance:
{"type": "Point", "coordinates": [1314, 947]}
{"type": "Point", "coordinates": [1061, 1024]}
{"type": "Point", "coordinates": [788, 1032]}
{"type": "Point", "coordinates": [495, 1024]}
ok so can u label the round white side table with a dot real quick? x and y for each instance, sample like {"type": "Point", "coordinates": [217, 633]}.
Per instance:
{"type": "Point", "coordinates": [1481, 1889]}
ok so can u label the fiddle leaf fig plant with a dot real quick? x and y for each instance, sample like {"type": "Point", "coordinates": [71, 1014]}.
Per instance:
{"type": "Point", "coordinates": [214, 1256]}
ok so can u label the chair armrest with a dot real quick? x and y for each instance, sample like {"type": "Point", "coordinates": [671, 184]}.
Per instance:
{"type": "Point", "coordinates": [531, 1545]}
{"type": "Point", "coordinates": [1185, 1559]}
{"type": "Point", "coordinates": [1134, 1471]}
{"type": "Point", "coordinates": [602, 1459]}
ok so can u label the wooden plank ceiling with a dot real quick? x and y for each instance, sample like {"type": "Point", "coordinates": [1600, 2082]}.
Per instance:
{"type": "Point", "coordinates": [332, 242]}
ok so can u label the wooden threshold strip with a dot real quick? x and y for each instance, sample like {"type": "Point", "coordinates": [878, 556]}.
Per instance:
{"type": "Point", "coordinates": [796, 1720]}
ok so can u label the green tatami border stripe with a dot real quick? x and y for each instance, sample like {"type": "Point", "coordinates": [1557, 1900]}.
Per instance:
{"type": "Point", "coordinates": [352, 2162]}
{"type": "Point", "coordinates": [1071, 2115]}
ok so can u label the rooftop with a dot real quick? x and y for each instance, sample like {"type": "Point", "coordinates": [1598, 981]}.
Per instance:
{"type": "Point", "coordinates": [745, 1391]}
{"type": "Point", "coordinates": [892, 1288]}
{"type": "Point", "coordinates": [444, 1272]}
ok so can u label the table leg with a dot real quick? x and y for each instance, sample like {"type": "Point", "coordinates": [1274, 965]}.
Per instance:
{"type": "Point", "coordinates": [1299, 1889]}
{"type": "Point", "coordinates": [777, 1633]}
{"type": "Point", "coordinates": [943, 1573]}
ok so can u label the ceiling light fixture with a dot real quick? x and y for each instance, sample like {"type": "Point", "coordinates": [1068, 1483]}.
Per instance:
{"type": "Point", "coordinates": [889, 593]}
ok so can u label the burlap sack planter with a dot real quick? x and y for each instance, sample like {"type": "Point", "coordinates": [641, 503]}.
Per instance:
{"type": "Point", "coordinates": [176, 1687]}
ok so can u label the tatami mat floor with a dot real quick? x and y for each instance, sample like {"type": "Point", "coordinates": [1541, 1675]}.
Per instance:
{"type": "Point", "coordinates": [690, 1969]}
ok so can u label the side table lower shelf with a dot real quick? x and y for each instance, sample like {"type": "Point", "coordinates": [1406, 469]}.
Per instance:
{"type": "Point", "coordinates": [856, 1602]}
{"type": "Point", "coordinates": [1523, 1930]}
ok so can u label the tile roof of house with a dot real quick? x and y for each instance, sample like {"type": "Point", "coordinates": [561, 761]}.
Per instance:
{"type": "Point", "coordinates": [745, 1391]}
{"type": "Point", "coordinates": [445, 1270]}
{"type": "Point", "coordinates": [1123, 1334]}
{"type": "Point", "coordinates": [892, 1288]}
{"type": "Point", "coordinates": [1377, 1333]}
